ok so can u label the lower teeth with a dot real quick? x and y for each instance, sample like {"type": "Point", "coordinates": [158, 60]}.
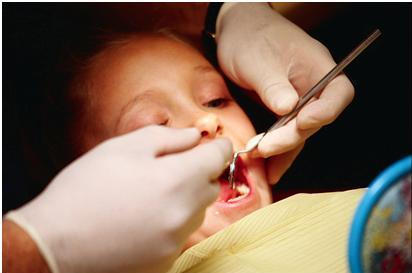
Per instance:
{"type": "Point", "coordinates": [243, 190]}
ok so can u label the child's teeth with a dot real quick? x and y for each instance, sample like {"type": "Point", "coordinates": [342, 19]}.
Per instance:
{"type": "Point", "coordinates": [242, 189]}
{"type": "Point", "coordinates": [236, 199]}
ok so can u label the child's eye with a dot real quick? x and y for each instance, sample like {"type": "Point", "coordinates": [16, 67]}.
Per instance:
{"type": "Point", "coordinates": [217, 103]}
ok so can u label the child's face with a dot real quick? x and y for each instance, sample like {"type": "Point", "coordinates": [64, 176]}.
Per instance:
{"type": "Point", "coordinates": [158, 80]}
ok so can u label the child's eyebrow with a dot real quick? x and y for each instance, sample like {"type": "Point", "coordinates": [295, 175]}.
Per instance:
{"type": "Point", "coordinates": [138, 98]}
{"type": "Point", "coordinates": [204, 69]}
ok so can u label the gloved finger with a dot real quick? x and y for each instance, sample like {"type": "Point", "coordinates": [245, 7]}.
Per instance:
{"type": "Point", "coordinates": [200, 192]}
{"type": "Point", "coordinates": [205, 160]}
{"type": "Point", "coordinates": [193, 209]}
{"type": "Point", "coordinates": [161, 140]}
{"type": "Point", "coordinates": [265, 72]}
{"type": "Point", "coordinates": [277, 165]}
{"type": "Point", "coordinates": [210, 193]}
{"type": "Point", "coordinates": [273, 87]}
{"type": "Point", "coordinates": [282, 140]}
{"type": "Point", "coordinates": [333, 100]}
{"type": "Point", "coordinates": [211, 158]}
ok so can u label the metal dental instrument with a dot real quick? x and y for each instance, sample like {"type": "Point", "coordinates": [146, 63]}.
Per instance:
{"type": "Point", "coordinates": [304, 100]}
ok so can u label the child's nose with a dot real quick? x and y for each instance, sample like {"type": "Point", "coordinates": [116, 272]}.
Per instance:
{"type": "Point", "coordinates": [209, 125]}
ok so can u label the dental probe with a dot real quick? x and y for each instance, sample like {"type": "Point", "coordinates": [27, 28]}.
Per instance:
{"type": "Point", "coordinates": [304, 100]}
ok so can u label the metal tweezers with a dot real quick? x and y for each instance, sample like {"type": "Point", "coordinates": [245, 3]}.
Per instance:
{"type": "Point", "coordinates": [304, 100]}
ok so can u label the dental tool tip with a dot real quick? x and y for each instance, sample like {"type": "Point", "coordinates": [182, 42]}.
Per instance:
{"type": "Point", "coordinates": [232, 168]}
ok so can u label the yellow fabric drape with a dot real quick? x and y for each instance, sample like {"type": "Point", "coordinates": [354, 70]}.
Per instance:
{"type": "Point", "coordinates": [303, 233]}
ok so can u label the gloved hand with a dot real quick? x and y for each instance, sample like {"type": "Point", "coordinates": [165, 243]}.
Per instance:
{"type": "Point", "coordinates": [129, 204]}
{"type": "Point", "coordinates": [262, 51]}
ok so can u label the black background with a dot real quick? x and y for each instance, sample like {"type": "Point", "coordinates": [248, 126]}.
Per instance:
{"type": "Point", "coordinates": [373, 132]}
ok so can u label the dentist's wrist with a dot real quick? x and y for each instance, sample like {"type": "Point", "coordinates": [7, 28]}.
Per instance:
{"type": "Point", "coordinates": [233, 12]}
{"type": "Point", "coordinates": [27, 224]}
{"type": "Point", "coordinates": [209, 30]}
{"type": "Point", "coordinates": [20, 252]}
{"type": "Point", "coordinates": [213, 11]}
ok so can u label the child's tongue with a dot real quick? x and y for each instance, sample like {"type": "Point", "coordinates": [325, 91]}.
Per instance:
{"type": "Point", "coordinates": [226, 191]}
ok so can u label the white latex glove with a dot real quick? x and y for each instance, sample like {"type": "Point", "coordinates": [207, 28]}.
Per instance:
{"type": "Point", "coordinates": [129, 204]}
{"type": "Point", "coordinates": [262, 51]}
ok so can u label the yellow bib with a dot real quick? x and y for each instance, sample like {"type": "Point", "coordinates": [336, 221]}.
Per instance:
{"type": "Point", "coordinates": [304, 233]}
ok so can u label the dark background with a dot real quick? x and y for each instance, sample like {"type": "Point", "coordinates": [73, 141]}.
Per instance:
{"type": "Point", "coordinates": [373, 132]}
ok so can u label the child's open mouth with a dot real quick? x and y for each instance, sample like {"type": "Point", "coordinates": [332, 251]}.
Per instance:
{"type": "Point", "coordinates": [242, 189]}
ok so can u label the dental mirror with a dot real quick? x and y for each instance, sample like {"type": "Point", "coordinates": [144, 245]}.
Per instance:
{"type": "Point", "coordinates": [380, 235]}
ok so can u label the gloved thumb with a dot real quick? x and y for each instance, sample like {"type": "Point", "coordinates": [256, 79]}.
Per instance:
{"type": "Point", "coordinates": [209, 159]}
{"type": "Point", "coordinates": [175, 140]}
{"type": "Point", "coordinates": [278, 94]}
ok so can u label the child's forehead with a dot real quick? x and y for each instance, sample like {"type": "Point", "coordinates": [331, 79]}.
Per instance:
{"type": "Point", "coordinates": [138, 61]}
{"type": "Point", "coordinates": [144, 45]}
{"type": "Point", "coordinates": [148, 43]}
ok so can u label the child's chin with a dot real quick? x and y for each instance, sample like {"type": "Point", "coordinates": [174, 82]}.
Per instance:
{"type": "Point", "coordinates": [208, 228]}
{"type": "Point", "coordinates": [216, 219]}
{"type": "Point", "coordinates": [230, 208]}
